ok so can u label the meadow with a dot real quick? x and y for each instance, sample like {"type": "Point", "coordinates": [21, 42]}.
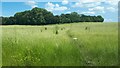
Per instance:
{"type": "Point", "coordinates": [76, 44]}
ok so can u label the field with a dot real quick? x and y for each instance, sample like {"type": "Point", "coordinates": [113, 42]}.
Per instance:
{"type": "Point", "coordinates": [77, 44]}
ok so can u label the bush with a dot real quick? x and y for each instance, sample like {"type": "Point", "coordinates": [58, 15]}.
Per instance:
{"type": "Point", "coordinates": [56, 32]}
{"type": "Point", "coordinates": [45, 28]}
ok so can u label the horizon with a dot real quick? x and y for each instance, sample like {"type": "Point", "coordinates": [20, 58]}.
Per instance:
{"type": "Point", "coordinates": [106, 10]}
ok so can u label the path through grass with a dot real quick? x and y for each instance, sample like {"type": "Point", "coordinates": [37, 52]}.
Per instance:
{"type": "Point", "coordinates": [73, 45]}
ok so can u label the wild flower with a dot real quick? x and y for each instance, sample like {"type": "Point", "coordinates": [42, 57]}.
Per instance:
{"type": "Point", "coordinates": [75, 38]}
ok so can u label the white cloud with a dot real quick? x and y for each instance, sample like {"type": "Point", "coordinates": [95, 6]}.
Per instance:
{"type": "Point", "coordinates": [108, 20]}
{"type": "Point", "coordinates": [87, 3]}
{"type": "Point", "coordinates": [112, 9]}
{"type": "Point", "coordinates": [54, 7]}
{"type": "Point", "coordinates": [32, 4]}
{"type": "Point", "coordinates": [49, 6]}
{"type": "Point", "coordinates": [112, 2]}
{"type": "Point", "coordinates": [98, 8]}
{"type": "Point", "coordinates": [77, 4]}
{"type": "Point", "coordinates": [94, 3]}
{"type": "Point", "coordinates": [68, 12]}
{"type": "Point", "coordinates": [80, 4]}
{"type": "Point", "coordinates": [64, 2]}
{"type": "Point", "coordinates": [88, 12]}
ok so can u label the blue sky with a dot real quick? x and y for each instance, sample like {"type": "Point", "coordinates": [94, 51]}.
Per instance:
{"type": "Point", "coordinates": [108, 9]}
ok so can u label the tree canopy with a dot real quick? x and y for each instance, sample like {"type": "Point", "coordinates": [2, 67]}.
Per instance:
{"type": "Point", "coordinates": [40, 16]}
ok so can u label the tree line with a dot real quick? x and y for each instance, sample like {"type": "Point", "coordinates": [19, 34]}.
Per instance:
{"type": "Point", "coordinates": [40, 16]}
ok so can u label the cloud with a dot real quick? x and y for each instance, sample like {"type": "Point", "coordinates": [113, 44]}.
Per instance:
{"type": "Point", "coordinates": [98, 8]}
{"type": "Point", "coordinates": [98, 5]}
{"type": "Point", "coordinates": [64, 2]}
{"type": "Point", "coordinates": [112, 9]}
{"type": "Point", "coordinates": [77, 4]}
{"type": "Point", "coordinates": [68, 12]}
{"type": "Point", "coordinates": [49, 6]}
{"type": "Point", "coordinates": [88, 12]}
{"type": "Point", "coordinates": [108, 20]}
{"type": "Point", "coordinates": [87, 3]}
{"type": "Point", "coordinates": [112, 2]}
{"type": "Point", "coordinates": [94, 3]}
{"type": "Point", "coordinates": [32, 4]}
{"type": "Point", "coordinates": [54, 7]}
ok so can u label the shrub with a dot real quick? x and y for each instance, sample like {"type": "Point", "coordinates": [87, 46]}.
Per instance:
{"type": "Point", "coordinates": [45, 28]}
{"type": "Point", "coordinates": [56, 32]}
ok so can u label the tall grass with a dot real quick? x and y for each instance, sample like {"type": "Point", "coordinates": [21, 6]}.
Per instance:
{"type": "Point", "coordinates": [0, 47]}
{"type": "Point", "coordinates": [28, 46]}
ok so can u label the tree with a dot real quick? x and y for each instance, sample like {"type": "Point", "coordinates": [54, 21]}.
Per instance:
{"type": "Point", "coordinates": [100, 19]}
{"type": "Point", "coordinates": [75, 17]}
{"type": "Point", "coordinates": [40, 16]}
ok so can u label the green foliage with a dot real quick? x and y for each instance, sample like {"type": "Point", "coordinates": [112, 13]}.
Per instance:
{"type": "Point", "coordinates": [45, 28]}
{"type": "Point", "coordinates": [56, 32]}
{"type": "Point", "coordinates": [30, 17]}
{"type": "Point", "coordinates": [40, 16]}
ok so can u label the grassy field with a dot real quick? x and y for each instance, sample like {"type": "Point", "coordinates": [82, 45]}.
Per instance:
{"type": "Point", "coordinates": [77, 44]}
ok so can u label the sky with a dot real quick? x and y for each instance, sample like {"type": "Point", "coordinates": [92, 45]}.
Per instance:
{"type": "Point", "coordinates": [106, 8]}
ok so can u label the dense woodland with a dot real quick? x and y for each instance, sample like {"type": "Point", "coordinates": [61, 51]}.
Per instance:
{"type": "Point", "coordinates": [40, 16]}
